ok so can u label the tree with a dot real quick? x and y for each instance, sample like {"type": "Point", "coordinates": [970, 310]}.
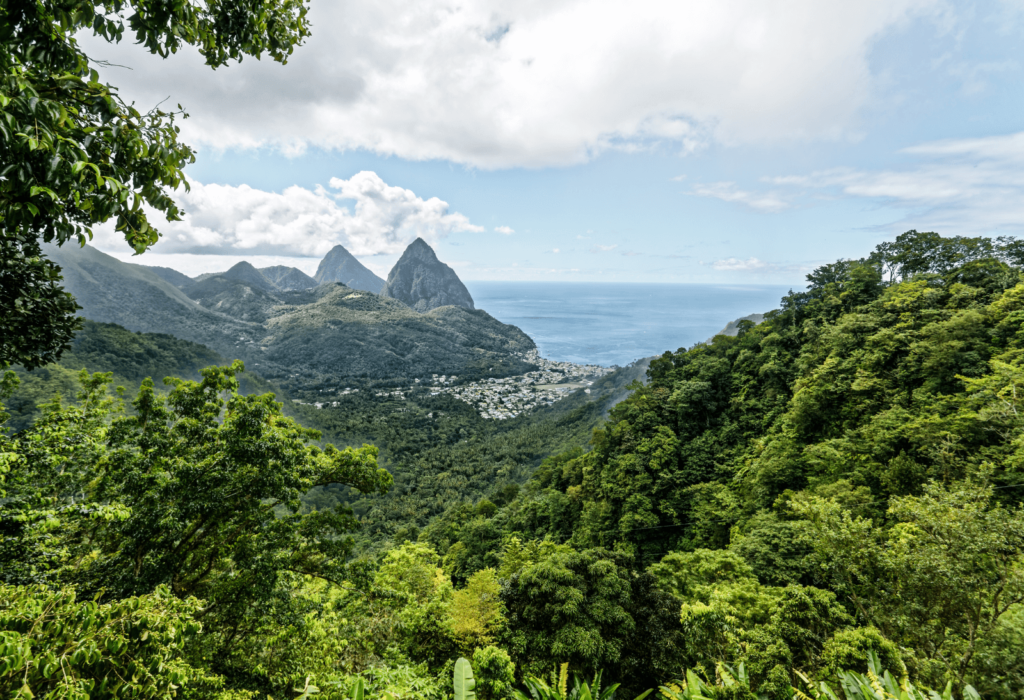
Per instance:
{"type": "Point", "coordinates": [73, 154]}
{"type": "Point", "coordinates": [570, 606]}
{"type": "Point", "coordinates": [476, 611]}
{"type": "Point", "coordinates": [198, 492]}
{"type": "Point", "coordinates": [37, 317]}
{"type": "Point", "coordinates": [941, 579]}
{"type": "Point", "coordinates": [494, 673]}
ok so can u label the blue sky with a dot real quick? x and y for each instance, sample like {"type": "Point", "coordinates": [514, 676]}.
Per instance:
{"type": "Point", "coordinates": [732, 142]}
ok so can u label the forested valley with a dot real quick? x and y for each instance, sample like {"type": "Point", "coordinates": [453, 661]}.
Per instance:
{"type": "Point", "coordinates": [833, 492]}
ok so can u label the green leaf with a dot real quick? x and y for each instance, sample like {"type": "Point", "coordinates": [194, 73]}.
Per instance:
{"type": "Point", "coordinates": [464, 681]}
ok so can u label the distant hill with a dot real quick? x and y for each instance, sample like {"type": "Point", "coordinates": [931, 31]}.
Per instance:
{"type": "Point", "coordinates": [288, 278]}
{"type": "Point", "coordinates": [300, 338]}
{"type": "Point", "coordinates": [131, 356]}
{"type": "Point", "coordinates": [137, 298]}
{"type": "Point", "coordinates": [235, 298]}
{"type": "Point", "coordinates": [176, 278]}
{"type": "Point", "coordinates": [732, 328]}
{"type": "Point", "coordinates": [423, 282]}
{"type": "Point", "coordinates": [339, 265]}
{"type": "Point", "coordinates": [247, 274]}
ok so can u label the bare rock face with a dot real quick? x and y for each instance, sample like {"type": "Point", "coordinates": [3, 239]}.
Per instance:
{"type": "Point", "coordinates": [423, 282]}
{"type": "Point", "coordinates": [339, 265]}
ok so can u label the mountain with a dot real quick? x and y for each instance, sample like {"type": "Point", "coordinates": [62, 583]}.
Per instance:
{"type": "Point", "coordinates": [240, 300]}
{"type": "Point", "coordinates": [288, 278]}
{"type": "Point", "coordinates": [335, 330]}
{"type": "Point", "coordinates": [137, 298]}
{"type": "Point", "coordinates": [340, 266]}
{"type": "Point", "coordinates": [247, 274]}
{"type": "Point", "coordinates": [168, 275]}
{"type": "Point", "coordinates": [302, 338]}
{"type": "Point", "coordinates": [423, 282]}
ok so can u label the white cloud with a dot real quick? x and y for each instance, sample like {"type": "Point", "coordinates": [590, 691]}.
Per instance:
{"type": "Point", "coordinates": [748, 265]}
{"type": "Point", "coordinates": [758, 266]}
{"type": "Point", "coordinates": [297, 222]}
{"type": "Point", "coordinates": [957, 186]}
{"type": "Point", "coordinates": [727, 192]}
{"type": "Point", "coordinates": [603, 248]}
{"type": "Point", "coordinates": [528, 83]}
{"type": "Point", "coordinates": [508, 231]}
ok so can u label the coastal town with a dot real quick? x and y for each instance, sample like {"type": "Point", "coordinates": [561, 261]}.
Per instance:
{"type": "Point", "coordinates": [501, 399]}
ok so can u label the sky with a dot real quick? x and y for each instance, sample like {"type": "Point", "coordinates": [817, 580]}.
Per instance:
{"type": "Point", "coordinates": [711, 141]}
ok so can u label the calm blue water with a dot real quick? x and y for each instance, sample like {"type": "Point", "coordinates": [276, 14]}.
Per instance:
{"type": "Point", "coordinates": [614, 324]}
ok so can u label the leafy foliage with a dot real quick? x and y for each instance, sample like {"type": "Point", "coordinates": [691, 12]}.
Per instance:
{"type": "Point", "coordinates": [181, 494]}
{"type": "Point", "coordinates": [494, 673]}
{"type": "Point", "coordinates": [464, 682]}
{"type": "Point", "coordinates": [36, 315]}
{"type": "Point", "coordinates": [75, 155]}
{"type": "Point", "coordinates": [876, 684]}
{"type": "Point", "coordinates": [53, 646]}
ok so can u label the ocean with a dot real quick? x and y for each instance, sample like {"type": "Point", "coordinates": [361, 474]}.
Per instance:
{"type": "Point", "coordinates": [616, 323]}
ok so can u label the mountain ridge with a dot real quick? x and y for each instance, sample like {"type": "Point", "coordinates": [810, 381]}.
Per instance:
{"type": "Point", "coordinates": [308, 336]}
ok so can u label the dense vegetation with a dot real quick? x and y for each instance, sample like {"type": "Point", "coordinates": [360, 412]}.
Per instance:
{"type": "Point", "coordinates": [129, 357]}
{"type": "Point", "coordinates": [836, 489]}
{"type": "Point", "coordinates": [444, 456]}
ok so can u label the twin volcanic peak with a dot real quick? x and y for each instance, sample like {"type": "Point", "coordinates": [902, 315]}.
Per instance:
{"type": "Point", "coordinates": [423, 282]}
{"type": "Point", "coordinates": [419, 280]}
{"type": "Point", "coordinates": [339, 265]}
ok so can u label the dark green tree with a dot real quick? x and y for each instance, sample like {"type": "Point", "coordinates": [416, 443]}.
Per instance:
{"type": "Point", "coordinates": [73, 154]}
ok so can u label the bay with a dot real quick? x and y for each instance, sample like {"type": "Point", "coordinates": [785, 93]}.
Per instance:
{"type": "Point", "coordinates": [617, 323]}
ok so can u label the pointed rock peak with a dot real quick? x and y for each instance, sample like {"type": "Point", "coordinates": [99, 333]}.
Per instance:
{"type": "Point", "coordinates": [423, 282]}
{"type": "Point", "coordinates": [339, 265]}
{"type": "Point", "coordinates": [421, 248]}
{"type": "Point", "coordinates": [339, 251]}
{"type": "Point", "coordinates": [247, 274]}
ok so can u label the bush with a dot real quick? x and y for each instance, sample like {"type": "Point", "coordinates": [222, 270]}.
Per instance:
{"type": "Point", "coordinates": [494, 672]}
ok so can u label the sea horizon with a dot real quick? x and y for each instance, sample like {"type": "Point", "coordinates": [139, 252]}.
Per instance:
{"type": "Point", "coordinates": [616, 323]}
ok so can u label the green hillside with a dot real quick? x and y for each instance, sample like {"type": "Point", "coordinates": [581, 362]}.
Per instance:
{"type": "Point", "coordinates": [135, 297]}
{"type": "Point", "coordinates": [443, 454]}
{"type": "Point", "coordinates": [856, 456]}
{"type": "Point", "coordinates": [336, 331]}
{"type": "Point", "coordinates": [130, 357]}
